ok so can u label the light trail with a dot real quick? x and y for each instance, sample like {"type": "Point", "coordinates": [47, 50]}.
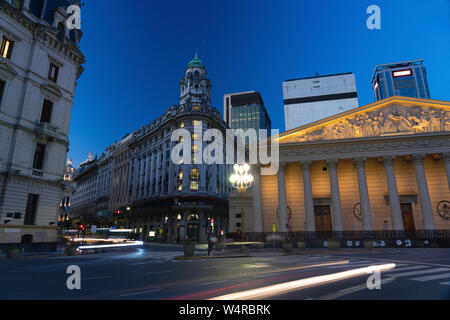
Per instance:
{"type": "Point", "coordinates": [101, 246]}
{"type": "Point", "coordinates": [286, 287]}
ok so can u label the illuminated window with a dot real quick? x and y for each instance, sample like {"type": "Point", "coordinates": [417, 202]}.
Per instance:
{"type": "Point", "coordinates": [196, 108]}
{"type": "Point", "coordinates": [197, 123]}
{"type": "Point", "coordinates": [180, 175]}
{"type": "Point", "coordinates": [194, 185]}
{"type": "Point", "coordinates": [6, 48]}
{"type": "Point", "coordinates": [194, 179]}
{"type": "Point", "coordinates": [195, 137]}
{"type": "Point", "coordinates": [182, 124]}
{"type": "Point", "coordinates": [194, 148]}
{"type": "Point", "coordinates": [181, 139]}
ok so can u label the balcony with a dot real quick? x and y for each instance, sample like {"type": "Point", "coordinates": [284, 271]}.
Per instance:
{"type": "Point", "coordinates": [46, 130]}
{"type": "Point", "coordinates": [37, 172]}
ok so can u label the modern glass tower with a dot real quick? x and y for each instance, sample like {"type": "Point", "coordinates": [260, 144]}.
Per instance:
{"type": "Point", "coordinates": [245, 110]}
{"type": "Point", "coordinates": [407, 79]}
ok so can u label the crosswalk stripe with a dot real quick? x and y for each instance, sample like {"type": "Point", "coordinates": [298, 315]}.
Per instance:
{"type": "Point", "coordinates": [435, 277]}
{"type": "Point", "coordinates": [405, 269]}
{"type": "Point", "coordinates": [413, 273]}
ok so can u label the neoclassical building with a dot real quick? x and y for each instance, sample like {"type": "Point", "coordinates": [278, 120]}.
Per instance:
{"type": "Point", "coordinates": [40, 64]}
{"type": "Point", "coordinates": [378, 168]}
{"type": "Point", "coordinates": [174, 200]}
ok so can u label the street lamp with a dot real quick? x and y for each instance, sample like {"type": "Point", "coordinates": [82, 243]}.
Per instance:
{"type": "Point", "coordinates": [241, 180]}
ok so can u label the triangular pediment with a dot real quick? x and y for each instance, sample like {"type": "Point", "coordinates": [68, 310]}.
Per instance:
{"type": "Point", "coordinates": [390, 117]}
{"type": "Point", "coordinates": [52, 90]}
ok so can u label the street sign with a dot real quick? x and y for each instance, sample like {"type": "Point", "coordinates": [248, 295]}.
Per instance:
{"type": "Point", "coordinates": [93, 228]}
{"type": "Point", "coordinates": [274, 228]}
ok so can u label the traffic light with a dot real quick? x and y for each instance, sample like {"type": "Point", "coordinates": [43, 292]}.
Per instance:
{"type": "Point", "coordinates": [81, 227]}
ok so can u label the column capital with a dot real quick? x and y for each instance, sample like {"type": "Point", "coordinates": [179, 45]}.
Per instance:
{"type": "Point", "coordinates": [446, 157]}
{"type": "Point", "coordinates": [332, 163]}
{"type": "Point", "coordinates": [306, 164]}
{"type": "Point", "coordinates": [418, 158]}
{"type": "Point", "coordinates": [389, 160]}
{"type": "Point", "coordinates": [360, 162]}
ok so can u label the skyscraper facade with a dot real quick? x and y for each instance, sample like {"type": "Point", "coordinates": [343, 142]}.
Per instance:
{"type": "Point", "coordinates": [407, 79]}
{"type": "Point", "coordinates": [246, 110]}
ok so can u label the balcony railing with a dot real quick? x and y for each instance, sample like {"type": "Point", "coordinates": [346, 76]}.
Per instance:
{"type": "Point", "coordinates": [45, 129]}
{"type": "Point", "coordinates": [37, 172]}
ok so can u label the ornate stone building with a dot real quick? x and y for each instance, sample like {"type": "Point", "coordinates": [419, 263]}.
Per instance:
{"type": "Point", "coordinates": [177, 200]}
{"type": "Point", "coordinates": [40, 63]}
{"type": "Point", "coordinates": [372, 170]}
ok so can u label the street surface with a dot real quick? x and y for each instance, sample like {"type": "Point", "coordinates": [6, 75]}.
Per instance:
{"type": "Point", "coordinates": [151, 272]}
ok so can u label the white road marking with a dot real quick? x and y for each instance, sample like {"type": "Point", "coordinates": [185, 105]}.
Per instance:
{"type": "Point", "coordinates": [413, 273]}
{"type": "Point", "coordinates": [406, 269]}
{"type": "Point", "coordinates": [435, 277]}
{"type": "Point", "coordinates": [347, 291]}
{"type": "Point", "coordinates": [139, 292]}
{"type": "Point", "coordinates": [447, 283]}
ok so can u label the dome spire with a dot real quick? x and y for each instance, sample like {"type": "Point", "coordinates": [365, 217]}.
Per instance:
{"type": "Point", "coordinates": [196, 62]}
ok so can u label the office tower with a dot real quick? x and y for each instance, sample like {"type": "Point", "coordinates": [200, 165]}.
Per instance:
{"type": "Point", "coordinates": [307, 100]}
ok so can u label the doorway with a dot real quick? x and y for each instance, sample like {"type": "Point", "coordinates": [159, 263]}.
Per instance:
{"type": "Point", "coordinates": [322, 217]}
{"type": "Point", "coordinates": [407, 215]}
{"type": "Point", "coordinates": [193, 227]}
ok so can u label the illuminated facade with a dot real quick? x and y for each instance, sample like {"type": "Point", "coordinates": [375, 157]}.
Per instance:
{"type": "Point", "coordinates": [136, 180]}
{"type": "Point", "coordinates": [376, 169]}
{"type": "Point", "coordinates": [178, 201]}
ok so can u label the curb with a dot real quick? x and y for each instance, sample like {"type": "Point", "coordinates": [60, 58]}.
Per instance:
{"type": "Point", "coordinates": [332, 252]}
{"type": "Point", "coordinates": [209, 257]}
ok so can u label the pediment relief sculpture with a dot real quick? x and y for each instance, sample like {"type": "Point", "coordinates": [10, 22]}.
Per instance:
{"type": "Point", "coordinates": [396, 120]}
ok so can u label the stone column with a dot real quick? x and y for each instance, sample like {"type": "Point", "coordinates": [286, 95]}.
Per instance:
{"type": "Point", "coordinates": [424, 194]}
{"type": "Point", "coordinates": [147, 170]}
{"type": "Point", "coordinates": [446, 158]}
{"type": "Point", "coordinates": [394, 201]}
{"type": "Point", "coordinates": [366, 211]}
{"type": "Point", "coordinates": [335, 196]}
{"type": "Point", "coordinates": [158, 172]}
{"type": "Point", "coordinates": [257, 207]}
{"type": "Point", "coordinates": [135, 176]}
{"type": "Point", "coordinates": [141, 177]}
{"type": "Point", "coordinates": [309, 201]}
{"type": "Point", "coordinates": [152, 166]}
{"type": "Point", "coordinates": [282, 202]}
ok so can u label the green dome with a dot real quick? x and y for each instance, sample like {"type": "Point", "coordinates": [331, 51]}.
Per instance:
{"type": "Point", "coordinates": [196, 62]}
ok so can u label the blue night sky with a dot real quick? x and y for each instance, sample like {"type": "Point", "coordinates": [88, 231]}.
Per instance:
{"type": "Point", "coordinates": [137, 52]}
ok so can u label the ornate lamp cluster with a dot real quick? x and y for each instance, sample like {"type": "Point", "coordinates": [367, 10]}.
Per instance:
{"type": "Point", "coordinates": [241, 179]}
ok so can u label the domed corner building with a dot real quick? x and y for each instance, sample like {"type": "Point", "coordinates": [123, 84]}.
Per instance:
{"type": "Point", "coordinates": [177, 201]}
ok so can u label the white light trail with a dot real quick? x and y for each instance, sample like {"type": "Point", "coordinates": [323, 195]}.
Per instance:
{"type": "Point", "coordinates": [286, 287]}
{"type": "Point", "coordinates": [101, 246]}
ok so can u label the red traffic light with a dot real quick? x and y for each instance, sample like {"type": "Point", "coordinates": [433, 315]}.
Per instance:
{"type": "Point", "coordinates": [81, 227]}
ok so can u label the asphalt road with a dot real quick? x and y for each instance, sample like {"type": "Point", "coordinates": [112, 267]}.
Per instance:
{"type": "Point", "coordinates": [152, 272]}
